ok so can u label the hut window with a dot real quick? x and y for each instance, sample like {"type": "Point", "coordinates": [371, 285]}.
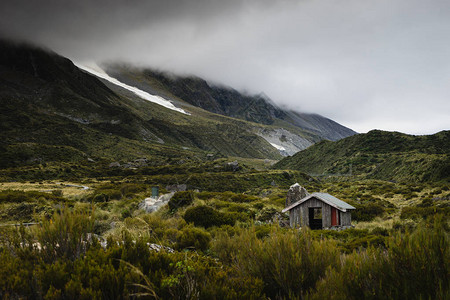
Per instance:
{"type": "Point", "coordinates": [318, 213]}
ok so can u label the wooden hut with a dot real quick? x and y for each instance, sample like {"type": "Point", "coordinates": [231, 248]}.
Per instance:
{"type": "Point", "coordinates": [318, 211]}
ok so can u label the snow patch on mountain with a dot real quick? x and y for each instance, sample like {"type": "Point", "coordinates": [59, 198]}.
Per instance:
{"type": "Point", "coordinates": [281, 148]}
{"type": "Point", "coordinates": [286, 142]}
{"type": "Point", "coordinates": [94, 69]}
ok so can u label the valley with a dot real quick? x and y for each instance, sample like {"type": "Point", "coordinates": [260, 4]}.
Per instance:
{"type": "Point", "coordinates": [79, 154]}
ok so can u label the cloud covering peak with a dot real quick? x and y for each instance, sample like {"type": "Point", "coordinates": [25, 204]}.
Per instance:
{"type": "Point", "coordinates": [366, 64]}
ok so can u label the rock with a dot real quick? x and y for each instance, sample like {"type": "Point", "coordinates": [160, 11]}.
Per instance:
{"type": "Point", "coordinates": [114, 165]}
{"type": "Point", "coordinates": [176, 188]}
{"type": "Point", "coordinates": [283, 223]}
{"type": "Point", "coordinates": [152, 204]}
{"type": "Point", "coordinates": [234, 165]}
{"type": "Point", "coordinates": [158, 248]}
{"type": "Point", "coordinates": [295, 193]}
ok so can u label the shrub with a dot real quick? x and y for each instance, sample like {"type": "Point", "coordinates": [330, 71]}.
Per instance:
{"type": "Point", "coordinates": [289, 263]}
{"type": "Point", "coordinates": [422, 212]}
{"type": "Point", "coordinates": [129, 190]}
{"type": "Point", "coordinates": [191, 236]}
{"type": "Point", "coordinates": [262, 231]}
{"type": "Point", "coordinates": [123, 270]}
{"type": "Point", "coordinates": [380, 231]}
{"type": "Point", "coordinates": [101, 227]}
{"type": "Point", "coordinates": [99, 198]}
{"type": "Point", "coordinates": [126, 213]}
{"type": "Point", "coordinates": [180, 199]}
{"type": "Point", "coordinates": [206, 195]}
{"type": "Point", "coordinates": [113, 194]}
{"type": "Point", "coordinates": [239, 208]}
{"type": "Point", "coordinates": [22, 211]}
{"type": "Point", "coordinates": [206, 216]}
{"type": "Point", "coordinates": [415, 266]}
{"type": "Point", "coordinates": [404, 226]}
{"type": "Point", "coordinates": [57, 193]}
{"type": "Point", "coordinates": [65, 235]}
{"type": "Point", "coordinates": [242, 198]}
{"type": "Point", "coordinates": [192, 276]}
{"type": "Point", "coordinates": [13, 196]}
{"type": "Point", "coordinates": [258, 206]}
{"type": "Point", "coordinates": [425, 203]}
{"type": "Point", "coordinates": [367, 212]}
{"type": "Point", "coordinates": [267, 214]}
{"type": "Point", "coordinates": [364, 242]}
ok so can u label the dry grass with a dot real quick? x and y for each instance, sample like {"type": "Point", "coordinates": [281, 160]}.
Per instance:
{"type": "Point", "coordinates": [400, 201]}
{"type": "Point", "coordinates": [377, 222]}
{"type": "Point", "coordinates": [258, 164]}
{"type": "Point", "coordinates": [48, 186]}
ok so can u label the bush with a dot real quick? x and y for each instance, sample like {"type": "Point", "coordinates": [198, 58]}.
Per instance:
{"type": "Point", "coordinates": [380, 231]}
{"type": "Point", "coordinates": [129, 190]}
{"type": "Point", "coordinates": [65, 235]}
{"type": "Point", "coordinates": [415, 266]}
{"type": "Point", "coordinates": [364, 242]}
{"type": "Point", "coordinates": [126, 213]}
{"type": "Point", "coordinates": [267, 214]}
{"type": "Point", "coordinates": [258, 206]}
{"type": "Point", "coordinates": [288, 262]}
{"type": "Point", "coordinates": [22, 211]}
{"type": "Point", "coordinates": [262, 231]}
{"type": "Point", "coordinates": [206, 195]}
{"type": "Point", "coordinates": [101, 227]}
{"type": "Point", "coordinates": [100, 198]}
{"type": "Point", "coordinates": [191, 236]}
{"type": "Point", "coordinates": [425, 203]}
{"type": "Point", "coordinates": [206, 216]}
{"type": "Point", "coordinates": [367, 212]}
{"type": "Point", "coordinates": [242, 198]}
{"type": "Point", "coordinates": [180, 199]}
{"type": "Point", "coordinates": [13, 196]}
{"type": "Point", "coordinates": [423, 212]}
{"type": "Point", "coordinates": [57, 193]}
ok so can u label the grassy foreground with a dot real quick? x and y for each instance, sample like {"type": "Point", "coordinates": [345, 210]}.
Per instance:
{"type": "Point", "coordinates": [60, 260]}
{"type": "Point", "coordinates": [221, 239]}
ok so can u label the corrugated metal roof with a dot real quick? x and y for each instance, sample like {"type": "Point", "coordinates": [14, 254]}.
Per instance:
{"type": "Point", "coordinates": [325, 197]}
{"type": "Point", "coordinates": [329, 198]}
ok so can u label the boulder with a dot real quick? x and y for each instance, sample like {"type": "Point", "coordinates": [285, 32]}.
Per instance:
{"type": "Point", "coordinates": [295, 193]}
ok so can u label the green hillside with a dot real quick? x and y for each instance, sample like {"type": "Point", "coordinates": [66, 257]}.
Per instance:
{"type": "Point", "coordinates": [379, 155]}
{"type": "Point", "coordinates": [226, 101]}
{"type": "Point", "coordinates": [52, 111]}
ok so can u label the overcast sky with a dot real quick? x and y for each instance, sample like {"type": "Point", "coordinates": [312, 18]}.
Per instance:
{"type": "Point", "coordinates": [365, 64]}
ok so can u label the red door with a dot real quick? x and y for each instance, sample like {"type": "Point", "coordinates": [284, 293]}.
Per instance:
{"type": "Point", "coordinates": [334, 217]}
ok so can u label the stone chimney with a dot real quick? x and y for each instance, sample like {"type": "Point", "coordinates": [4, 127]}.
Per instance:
{"type": "Point", "coordinates": [295, 193]}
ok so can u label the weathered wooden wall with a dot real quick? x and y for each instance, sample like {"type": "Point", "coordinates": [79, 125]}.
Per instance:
{"type": "Point", "coordinates": [299, 216]}
{"type": "Point", "coordinates": [346, 218]}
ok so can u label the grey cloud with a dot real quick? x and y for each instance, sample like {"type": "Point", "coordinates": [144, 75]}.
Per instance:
{"type": "Point", "coordinates": [366, 64]}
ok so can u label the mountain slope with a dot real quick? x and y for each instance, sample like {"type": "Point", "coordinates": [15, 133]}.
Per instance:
{"type": "Point", "coordinates": [52, 110]}
{"type": "Point", "coordinates": [46, 100]}
{"type": "Point", "coordinates": [309, 128]}
{"type": "Point", "coordinates": [378, 154]}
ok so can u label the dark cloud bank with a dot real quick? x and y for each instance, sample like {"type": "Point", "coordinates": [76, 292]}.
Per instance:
{"type": "Point", "coordinates": [366, 64]}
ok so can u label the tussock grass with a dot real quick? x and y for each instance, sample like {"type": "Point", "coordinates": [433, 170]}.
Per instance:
{"type": "Point", "coordinates": [376, 223]}
{"type": "Point", "coordinates": [47, 186]}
